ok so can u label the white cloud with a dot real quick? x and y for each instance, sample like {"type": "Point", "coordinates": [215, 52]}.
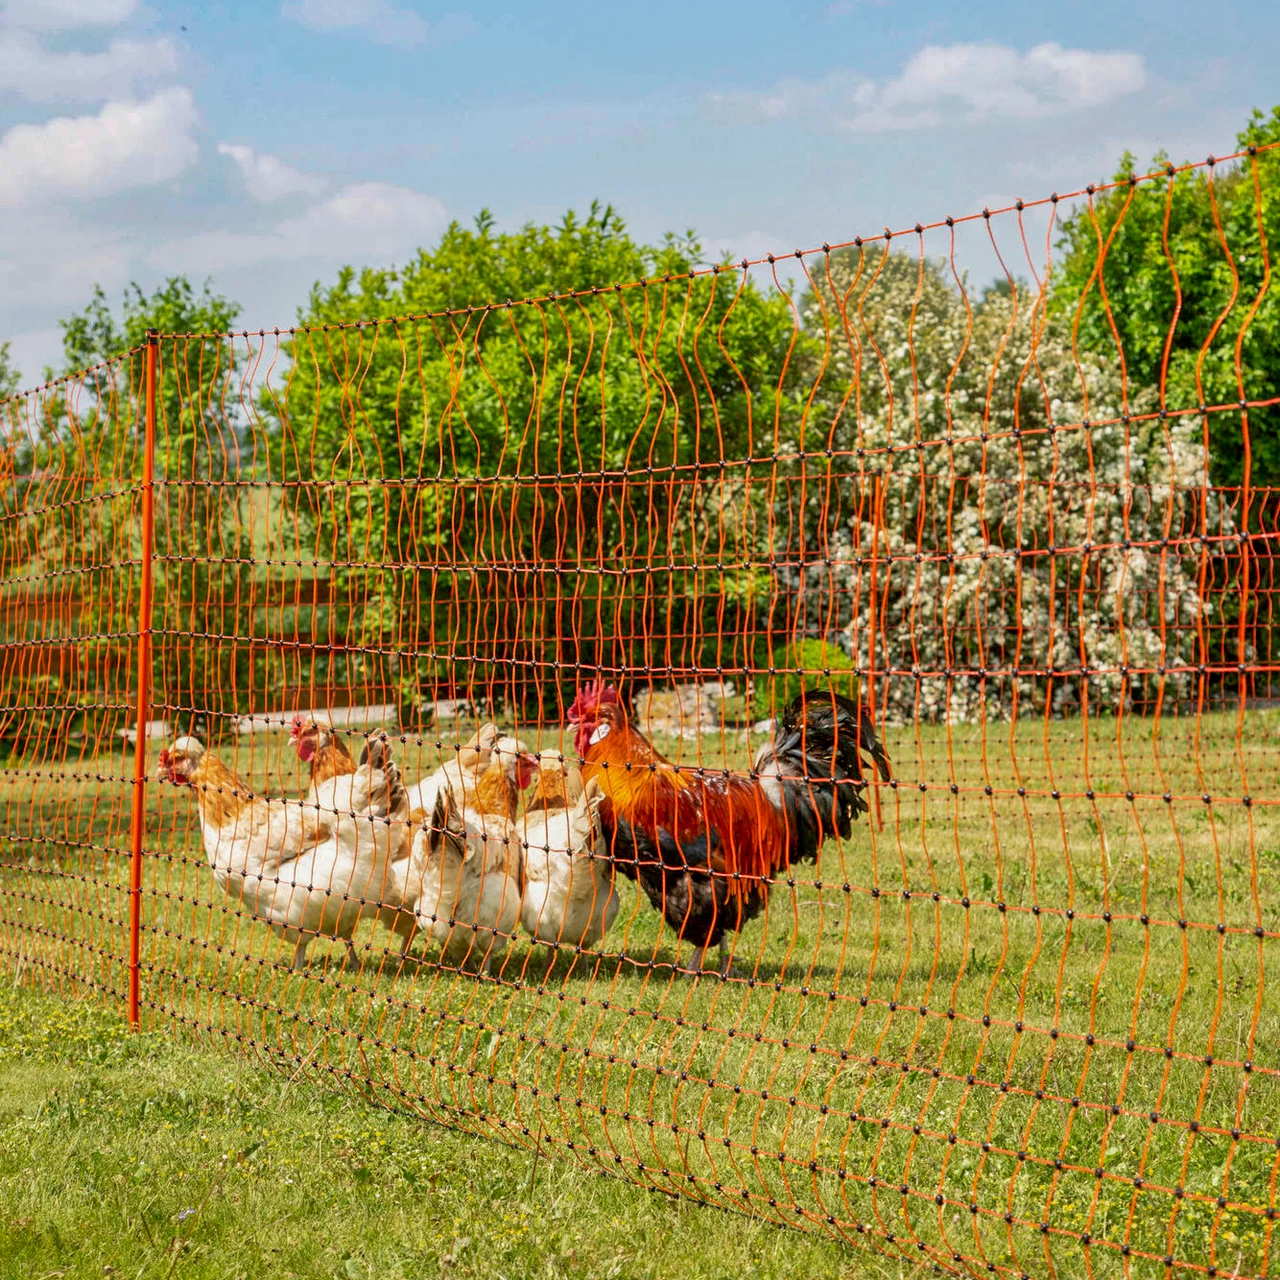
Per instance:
{"type": "Point", "coordinates": [268, 178]}
{"type": "Point", "coordinates": [38, 74]}
{"type": "Point", "coordinates": [49, 259]}
{"type": "Point", "coordinates": [125, 145]}
{"type": "Point", "coordinates": [974, 82]}
{"type": "Point", "coordinates": [369, 221]}
{"type": "Point", "coordinates": [960, 82]}
{"type": "Point", "coordinates": [381, 20]}
{"type": "Point", "coordinates": [66, 15]}
{"type": "Point", "coordinates": [376, 217]}
{"type": "Point", "coordinates": [788, 97]}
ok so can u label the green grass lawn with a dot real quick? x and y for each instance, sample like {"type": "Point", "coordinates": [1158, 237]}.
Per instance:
{"type": "Point", "coordinates": [896, 1030]}
{"type": "Point", "coordinates": [138, 1156]}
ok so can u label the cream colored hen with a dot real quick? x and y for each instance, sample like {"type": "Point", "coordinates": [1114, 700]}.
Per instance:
{"type": "Point", "coordinates": [569, 899]}
{"type": "Point", "coordinates": [307, 868]}
{"type": "Point", "coordinates": [321, 748]}
{"type": "Point", "coordinates": [465, 865]}
{"type": "Point", "coordinates": [458, 774]}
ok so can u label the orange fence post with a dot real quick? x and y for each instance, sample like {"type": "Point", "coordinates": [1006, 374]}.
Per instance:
{"type": "Point", "coordinates": [138, 820]}
{"type": "Point", "coordinates": [877, 514]}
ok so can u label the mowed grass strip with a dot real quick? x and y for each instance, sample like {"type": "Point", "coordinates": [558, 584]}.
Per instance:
{"type": "Point", "coordinates": [137, 1155]}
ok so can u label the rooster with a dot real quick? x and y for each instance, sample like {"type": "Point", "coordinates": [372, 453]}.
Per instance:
{"type": "Point", "coordinates": [706, 844]}
{"type": "Point", "coordinates": [306, 868]}
{"type": "Point", "coordinates": [569, 898]}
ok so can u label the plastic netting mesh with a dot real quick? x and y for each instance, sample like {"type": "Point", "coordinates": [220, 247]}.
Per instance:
{"type": "Point", "coordinates": [1017, 1021]}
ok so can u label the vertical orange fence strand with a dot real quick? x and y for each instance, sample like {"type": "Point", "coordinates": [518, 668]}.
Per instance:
{"type": "Point", "coordinates": [798, 735]}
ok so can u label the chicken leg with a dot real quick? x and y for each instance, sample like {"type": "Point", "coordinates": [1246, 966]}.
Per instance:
{"type": "Point", "coordinates": [726, 969]}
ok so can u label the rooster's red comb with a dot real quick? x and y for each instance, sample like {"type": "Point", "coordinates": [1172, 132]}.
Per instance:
{"type": "Point", "coordinates": [591, 696]}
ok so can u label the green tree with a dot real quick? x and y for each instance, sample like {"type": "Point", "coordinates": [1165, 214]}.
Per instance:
{"type": "Point", "coordinates": [80, 516]}
{"type": "Point", "coordinates": [485, 450]}
{"type": "Point", "coordinates": [1176, 271]}
{"type": "Point", "coordinates": [10, 377]}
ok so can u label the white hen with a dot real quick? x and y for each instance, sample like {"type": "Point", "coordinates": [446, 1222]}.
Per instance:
{"type": "Point", "coordinates": [467, 866]}
{"type": "Point", "coordinates": [322, 749]}
{"type": "Point", "coordinates": [569, 898]}
{"type": "Point", "coordinates": [488, 777]}
{"type": "Point", "coordinates": [458, 774]}
{"type": "Point", "coordinates": [307, 868]}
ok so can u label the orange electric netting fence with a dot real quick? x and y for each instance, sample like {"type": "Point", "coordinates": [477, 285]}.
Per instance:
{"type": "Point", "coordinates": [810, 748]}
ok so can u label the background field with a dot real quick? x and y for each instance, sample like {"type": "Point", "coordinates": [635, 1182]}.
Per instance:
{"type": "Point", "coordinates": [689, 1086]}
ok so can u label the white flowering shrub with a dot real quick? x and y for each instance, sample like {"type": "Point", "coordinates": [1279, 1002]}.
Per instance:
{"type": "Point", "coordinates": [1027, 519]}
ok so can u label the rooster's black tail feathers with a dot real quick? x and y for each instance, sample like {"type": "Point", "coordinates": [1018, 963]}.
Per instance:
{"type": "Point", "coordinates": [813, 770]}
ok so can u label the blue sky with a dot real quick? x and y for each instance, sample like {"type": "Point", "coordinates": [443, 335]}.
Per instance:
{"type": "Point", "coordinates": [263, 143]}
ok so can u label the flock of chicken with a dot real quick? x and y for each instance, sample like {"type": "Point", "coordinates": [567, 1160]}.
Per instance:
{"type": "Point", "coordinates": [457, 858]}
